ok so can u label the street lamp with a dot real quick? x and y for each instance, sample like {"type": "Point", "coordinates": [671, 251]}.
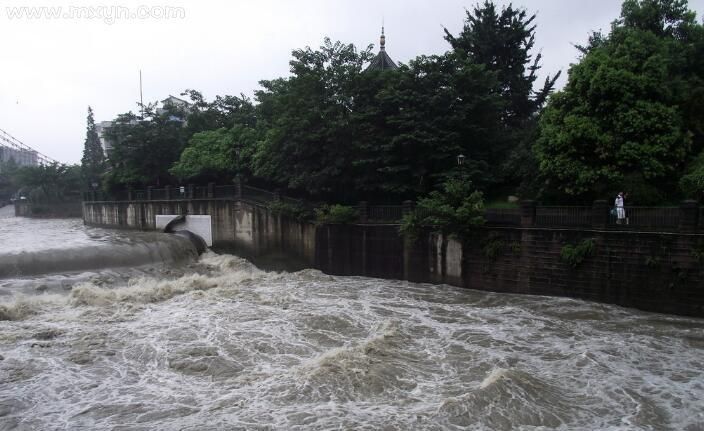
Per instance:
{"type": "Point", "coordinates": [460, 160]}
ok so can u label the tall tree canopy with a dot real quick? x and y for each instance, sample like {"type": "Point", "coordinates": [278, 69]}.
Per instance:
{"type": "Point", "coordinates": [93, 161]}
{"type": "Point", "coordinates": [630, 115]}
{"type": "Point", "coordinates": [503, 43]}
{"type": "Point", "coordinates": [309, 142]}
{"type": "Point", "coordinates": [144, 149]}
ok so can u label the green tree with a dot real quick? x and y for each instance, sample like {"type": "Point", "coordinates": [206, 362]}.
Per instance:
{"type": "Point", "coordinates": [224, 111]}
{"type": "Point", "coordinates": [49, 183]}
{"type": "Point", "coordinates": [93, 161]}
{"type": "Point", "coordinates": [627, 116]}
{"type": "Point", "coordinates": [503, 41]}
{"type": "Point", "coordinates": [309, 142]}
{"type": "Point", "coordinates": [8, 180]}
{"type": "Point", "coordinates": [145, 149]}
{"type": "Point", "coordinates": [217, 155]}
{"type": "Point", "coordinates": [439, 107]}
{"type": "Point", "coordinates": [456, 209]}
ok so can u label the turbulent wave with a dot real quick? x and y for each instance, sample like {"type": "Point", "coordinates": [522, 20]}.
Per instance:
{"type": "Point", "coordinates": [508, 397]}
{"type": "Point", "coordinates": [371, 367]}
{"type": "Point", "coordinates": [23, 306]}
{"type": "Point", "coordinates": [230, 271]}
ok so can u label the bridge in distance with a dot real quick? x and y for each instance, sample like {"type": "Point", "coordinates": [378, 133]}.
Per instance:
{"type": "Point", "coordinates": [12, 148]}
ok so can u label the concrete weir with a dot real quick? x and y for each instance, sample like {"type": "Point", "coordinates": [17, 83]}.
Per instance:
{"type": "Point", "coordinates": [646, 270]}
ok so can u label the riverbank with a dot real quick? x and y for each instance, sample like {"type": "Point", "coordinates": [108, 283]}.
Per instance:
{"type": "Point", "coordinates": [645, 270]}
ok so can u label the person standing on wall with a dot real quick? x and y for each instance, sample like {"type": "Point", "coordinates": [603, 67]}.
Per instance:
{"type": "Point", "coordinates": [620, 211]}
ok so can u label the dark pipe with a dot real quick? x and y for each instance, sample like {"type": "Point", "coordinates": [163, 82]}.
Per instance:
{"type": "Point", "coordinates": [198, 242]}
{"type": "Point", "coordinates": [169, 228]}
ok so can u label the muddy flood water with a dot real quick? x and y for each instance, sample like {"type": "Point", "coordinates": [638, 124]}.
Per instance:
{"type": "Point", "coordinates": [214, 343]}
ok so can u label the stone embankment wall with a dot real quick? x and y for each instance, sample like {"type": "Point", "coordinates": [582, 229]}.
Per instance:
{"type": "Point", "coordinates": [248, 229]}
{"type": "Point", "coordinates": [645, 270]}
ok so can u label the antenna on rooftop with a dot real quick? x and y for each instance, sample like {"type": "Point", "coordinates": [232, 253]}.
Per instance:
{"type": "Point", "coordinates": [141, 101]}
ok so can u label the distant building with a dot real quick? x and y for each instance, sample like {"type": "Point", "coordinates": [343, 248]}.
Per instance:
{"type": "Point", "coordinates": [21, 157]}
{"type": "Point", "coordinates": [101, 128]}
{"type": "Point", "coordinates": [382, 61]}
{"type": "Point", "coordinates": [174, 102]}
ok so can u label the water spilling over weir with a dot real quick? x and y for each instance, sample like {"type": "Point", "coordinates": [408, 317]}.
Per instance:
{"type": "Point", "coordinates": [215, 343]}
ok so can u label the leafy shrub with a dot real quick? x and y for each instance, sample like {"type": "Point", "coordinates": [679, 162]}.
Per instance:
{"type": "Point", "coordinates": [410, 226]}
{"type": "Point", "coordinates": [493, 246]}
{"type": "Point", "coordinates": [692, 183]}
{"type": "Point", "coordinates": [698, 252]}
{"type": "Point", "coordinates": [515, 247]}
{"type": "Point", "coordinates": [454, 211]}
{"type": "Point", "coordinates": [574, 255]}
{"type": "Point", "coordinates": [336, 214]}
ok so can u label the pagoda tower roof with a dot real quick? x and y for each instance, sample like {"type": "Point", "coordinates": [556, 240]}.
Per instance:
{"type": "Point", "coordinates": [382, 61]}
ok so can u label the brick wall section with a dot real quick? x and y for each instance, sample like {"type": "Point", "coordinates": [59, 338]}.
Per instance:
{"type": "Point", "coordinates": [649, 271]}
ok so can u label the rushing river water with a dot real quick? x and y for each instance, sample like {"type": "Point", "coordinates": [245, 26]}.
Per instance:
{"type": "Point", "coordinates": [217, 344]}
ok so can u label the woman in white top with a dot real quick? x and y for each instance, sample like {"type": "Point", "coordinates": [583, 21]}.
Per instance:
{"type": "Point", "coordinates": [620, 212]}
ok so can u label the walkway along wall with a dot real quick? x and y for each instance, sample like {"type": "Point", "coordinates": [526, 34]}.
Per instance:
{"type": "Point", "coordinates": [646, 270]}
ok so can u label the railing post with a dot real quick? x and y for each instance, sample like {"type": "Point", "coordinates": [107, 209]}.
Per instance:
{"type": "Point", "coordinates": [528, 213]}
{"type": "Point", "coordinates": [167, 192]}
{"type": "Point", "coordinates": [689, 215]}
{"type": "Point", "coordinates": [600, 214]}
{"type": "Point", "coordinates": [92, 196]}
{"type": "Point", "coordinates": [149, 192]}
{"type": "Point", "coordinates": [363, 210]}
{"type": "Point", "coordinates": [129, 194]}
{"type": "Point", "coordinates": [238, 187]}
{"type": "Point", "coordinates": [189, 191]}
{"type": "Point", "coordinates": [211, 190]}
{"type": "Point", "coordinates": [407, 207]}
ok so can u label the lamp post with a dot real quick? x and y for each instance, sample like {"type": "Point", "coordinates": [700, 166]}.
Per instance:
{"type": "Point", "coordinates": [94, 185]}
{"type": "Point", "coordinates": [460, 159]}
{"type": "Point", "coordinates": [238, 177]}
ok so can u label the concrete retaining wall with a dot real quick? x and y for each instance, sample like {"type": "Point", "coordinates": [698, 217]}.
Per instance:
{"type": "Point", "coordinates": [650, 271]}
{"type": "Point", "coordinates": [246, 229]}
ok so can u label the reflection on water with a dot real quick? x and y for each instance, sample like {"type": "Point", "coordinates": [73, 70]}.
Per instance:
{"type": "Point", "coordinates": [222, 345]}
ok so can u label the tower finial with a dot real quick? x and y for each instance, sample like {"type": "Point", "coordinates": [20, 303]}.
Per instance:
{"type": "Point", "coordinates": [382, 40]}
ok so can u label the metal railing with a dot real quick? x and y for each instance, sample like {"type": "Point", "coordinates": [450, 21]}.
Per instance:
{"type": "Point", "coordinates": [389, 213]}
{"type": "Point", "coordinates": [648, 217]}
{"type": "Point", "coordinates": [563, 216]}
{"type": "Point", "coordinates": [503, 216]}
{"type": "Point", "coordinates": [668, 219]}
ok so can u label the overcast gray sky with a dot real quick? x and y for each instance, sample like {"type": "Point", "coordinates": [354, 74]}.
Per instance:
{"type": "Point", "coordinates": [84, 53]}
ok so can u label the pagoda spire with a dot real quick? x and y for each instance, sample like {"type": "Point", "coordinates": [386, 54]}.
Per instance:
{"type": "Point", "coordinates": [382, 61]}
